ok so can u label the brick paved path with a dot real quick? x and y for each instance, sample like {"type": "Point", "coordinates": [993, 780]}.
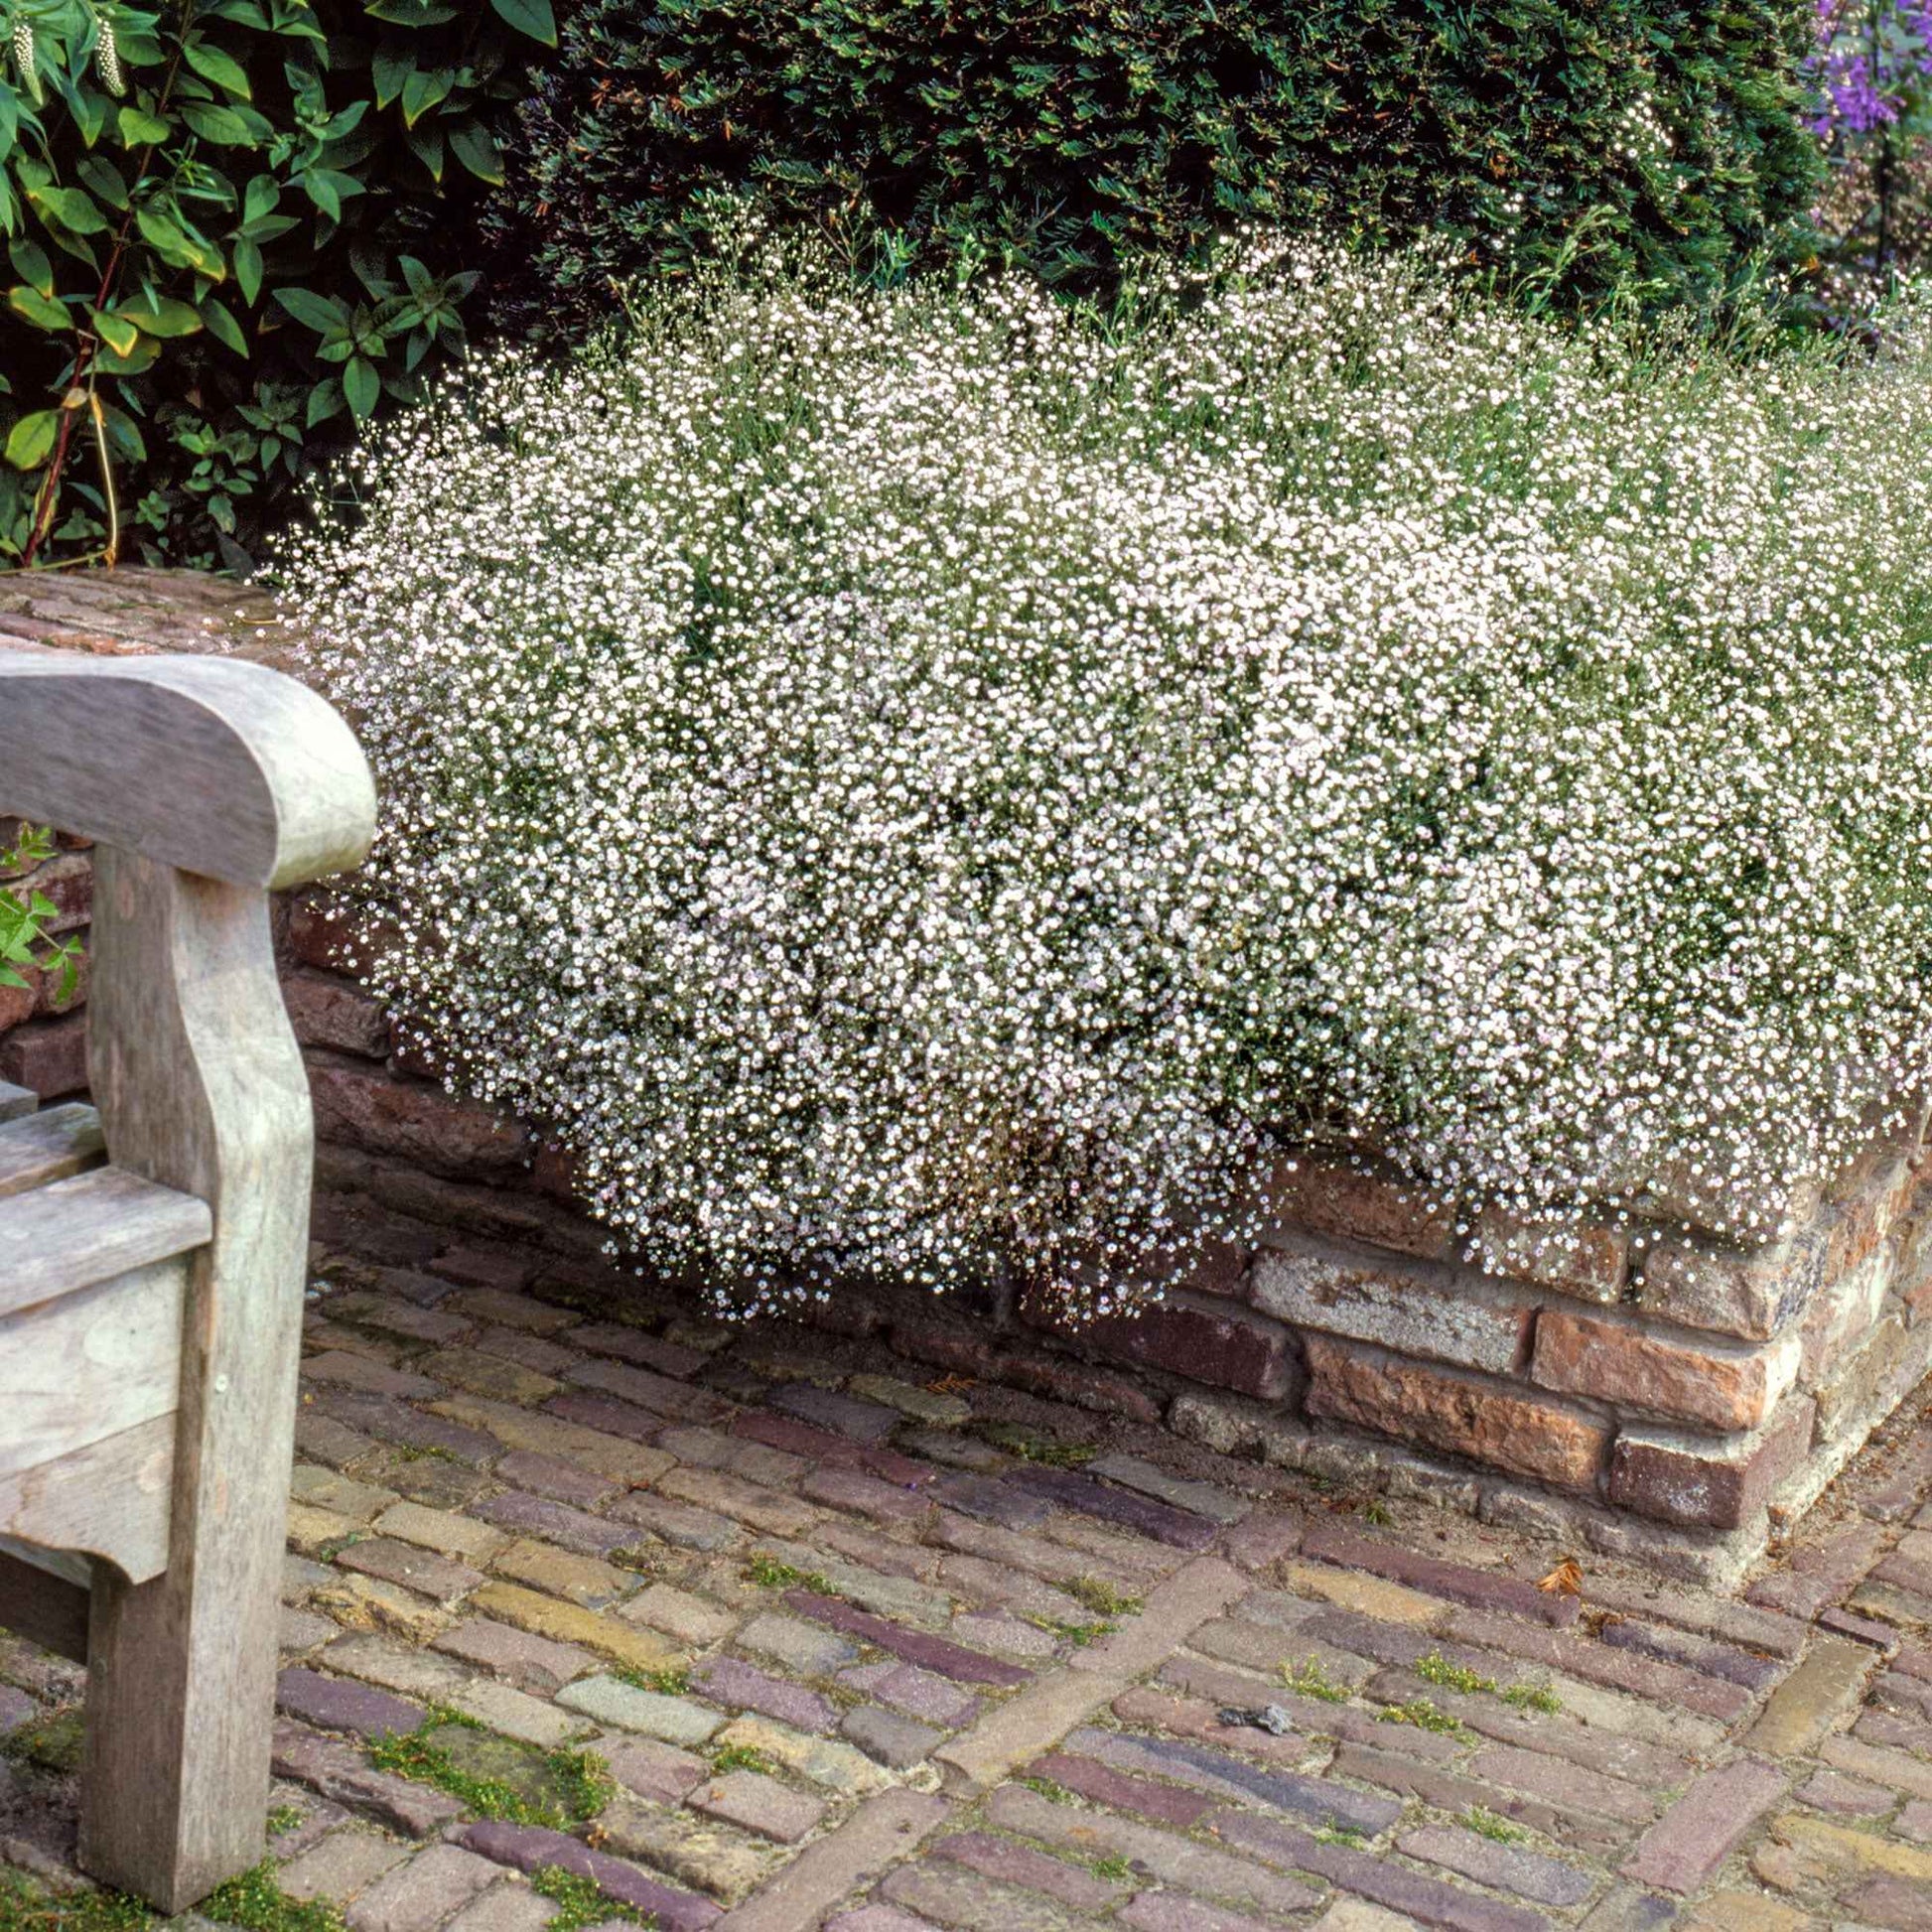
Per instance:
{"type": "Point", "coordinates": [892, 1658]}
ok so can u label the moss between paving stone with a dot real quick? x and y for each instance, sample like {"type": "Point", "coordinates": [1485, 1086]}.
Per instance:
{"type": "Point", "coordinates": [257, 1902]}
{"type": "Point", "coordinates": [582, 1901]}
{"type": "Point", "coordinates": [27, 1905]}
{"type": "Point", "coordinates": [496, 1777]}
{"type": "Point", "coordinates": [54, 1741]}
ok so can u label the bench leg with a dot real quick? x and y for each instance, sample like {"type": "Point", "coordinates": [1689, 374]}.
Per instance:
{"type": "Point", "coordinates": [201, 1087]}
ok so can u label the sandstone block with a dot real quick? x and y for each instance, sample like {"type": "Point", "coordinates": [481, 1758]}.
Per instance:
{"type": "Point", "coordinates": [1577, 1258]}
{"type": "Point", "coordinates": [1360, 1204]}
{"type": "Point", "coordinates": [1455, 1413]}
{"type": "Point", "coordinates": [1718, 1385]}
{"type": "Point", "coordinates": [330, 1013]}
{"type": "Point", "coordinates": [1692, 1481]}
{"type": "Point", "coordinates": [1401, 1310]}
{"type": "Point", "coordinates": [1206, 1342]}
{"type": "Point", "coordinates": [365, 1107]}
{"type": "Point", "coordinates": [1748, 1293]}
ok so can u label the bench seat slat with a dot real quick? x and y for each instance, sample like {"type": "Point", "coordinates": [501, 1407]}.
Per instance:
{"type": "Point", "coordinates": [49, 1145]}
{"type": "Point", "coordinates": [75, 1232]}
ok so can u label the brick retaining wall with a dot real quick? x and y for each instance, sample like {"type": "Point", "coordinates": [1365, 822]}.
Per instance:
{"type": "Point", "coordinates": [1639, 1387]}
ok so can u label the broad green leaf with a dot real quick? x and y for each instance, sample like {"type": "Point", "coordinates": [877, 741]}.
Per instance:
{"type": "Point", "coordinates": [114, 330]}
{"type": "Point", "coordinates": [139, 130]}
{"type": "Point", "coordinates": [222, 68]}
{"type": "Point", "coordinates": [361, 385]}
{"type": "Point", "coordinates": [422, 90]}
{"type": "Point", "coordinates": [222, 325]}
{"type": "Point", "coordinates": [31, 440]}
{"type": "Point", "coordinates": [313, 310]}
{"type": "Point", "coordinates": [162, 316]}
{"type": "Point", "coordinates": [324, 401]}
{"type": "Point", "coordinates": [70, 208]}
{"type": "Point", "coordinates": [221, 126]}
{"type": "Point", "coordinates": [168, 240]}
{"type": "Point", "coordinates": [260, 198]}
{"type": "Point", "coordinates": [532, 16]}
{"type": "Point", "coordinates": [29, 305]}
{"type": "Point", "coordinates": [103, 180]}
{"type": "Point", "coordinates": [147, 351]}
{"type": "Point", "coordinates": [427, 144]}
{"type": "Point", "coordinates": [31, 264]}
{"type": "Point", "coordinates": [247, 268]}
{"type": "Point", "coordinates": [476, 147]}
{"type": "Point", "coordinates": [124, 435]}
{"type": "Point", "coordinates": [389, 70]}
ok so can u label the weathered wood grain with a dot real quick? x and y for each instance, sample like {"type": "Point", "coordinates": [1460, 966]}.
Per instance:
{"type": "Point", "coordinates": [90, 1365]}
{"type": "Point", "coordinates": [38, 1148]}
{"type": "Point", "coordinates": [108, 1500]}
{"type": "Point", "coordinates": [201, 1088]}
{"type": "Point", "coordinates": [90, 1228]}
{"type": "Point", "coordinates": [215, 766]}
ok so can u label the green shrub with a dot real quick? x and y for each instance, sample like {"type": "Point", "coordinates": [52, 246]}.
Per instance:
{"type": "Point", "coordinates": [233, 227]}
{"type": "Point", "coordinates": [1603, 144]}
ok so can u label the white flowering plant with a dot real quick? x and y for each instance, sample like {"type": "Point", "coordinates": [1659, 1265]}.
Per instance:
{"type": "Point", "coordinates": [919, 781]}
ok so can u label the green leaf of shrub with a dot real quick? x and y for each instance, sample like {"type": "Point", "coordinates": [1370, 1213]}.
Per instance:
{"type": "Point", "coordinates": [476, 147]}
{"type": "Point", "coordinates": [222, 325]}
{"type": "Point", "coordinates": [313, 310]}
{"type": "Point", "coordinates": [29, 305]}
{"type": "Point", "coordinates": [31, 440]}
{"type": "Point", "coordinates": [532, 16]}
{"type": "Point", "coordinates": [115, 331]}
{"type": "Point", "coordinates": [70, 208]}
{"type": "Point", "coordinates": [161, 315]}
{"type": "Point", "coordinates": [361, 385]}
{"type": "Point", "coordinates": [221, 126]}
{"type": "Point", "coordinates": [31, 264]}
{"type": "Point", "coordinates": [140, 130]}
{"type": "Point", "coordinates": [213, 65]}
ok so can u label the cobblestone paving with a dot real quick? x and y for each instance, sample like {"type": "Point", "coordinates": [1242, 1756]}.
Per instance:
{"type": "Point", "coordinates": [885, 1657]}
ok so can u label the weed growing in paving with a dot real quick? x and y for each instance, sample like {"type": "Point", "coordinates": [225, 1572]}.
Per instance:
{"type": "Point", "coordinates": [1532, 1697]}
{"type": "Point", "coordinates": [1079, 1635]}
{"type": "Point", "coordinates": [739, 1757]}
{"type": "Point", "coordinates": [582, 1901]}
{"type": "Point", "coordinates": [1332, 1833]}
{"type": "Point", "coordinates": [1055, 1794]}
{"type": "Point", "coordinates": [1424, 1715]}
{"type": "Point", "coordinates": [26, 1905]}
{"type": "Point", "coordinates": [284, 1818]}
{"type": "Point", "coordinates": [1307, 1679]}
{"type": "Point", "coordinates": [1101, 1597]}
{"type": "Point", "coordinates": [672, 1682]}
{"type": "Point", "coordinates": [256, 1901]}
{"type": "Point", "coordinates": [1488, 1825]}
{"type": "Point", "coordinates": [1436, 1669]}
{"type": "Point", "coordinates": [1114, 1868]}
{"type": "Point", "coordinates": [765, 1569]}
{"type": "Point", "coordinates": [581, 1780]}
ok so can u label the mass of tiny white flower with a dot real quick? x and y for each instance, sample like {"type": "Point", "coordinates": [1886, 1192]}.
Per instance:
{"type": "Point", "coordinates": [914, 783]}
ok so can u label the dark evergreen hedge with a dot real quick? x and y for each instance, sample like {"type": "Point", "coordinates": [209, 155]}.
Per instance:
{"type": "Point", "coordinates": [1073, 134]}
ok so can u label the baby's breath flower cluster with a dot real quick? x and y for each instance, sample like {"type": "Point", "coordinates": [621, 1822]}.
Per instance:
{"type": "Point", "coordinates": [902, 779]}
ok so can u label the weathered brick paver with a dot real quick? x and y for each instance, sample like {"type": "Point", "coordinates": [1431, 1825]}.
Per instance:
{"type": "Point", "coordinates": [815, 1645]}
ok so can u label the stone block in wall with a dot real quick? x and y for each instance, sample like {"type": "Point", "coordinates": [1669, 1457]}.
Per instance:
{"type": "Point", "coordinates": [48, 1055]}
{"type": "Point", "coordinates": [1749, 1293]}
{"type": "Point", "coordinates": [1203, 1340]}
{"type": "Point", "coordinates": [1867, 1382]}
{"type": "Point", "coordinates": [334, 1014]}
{"type": "Point", "coordinates": [1444, 1318]}
{"type": "Point", "coordinates": [325, 934]}
{"type": "Point", "coordinates": [369, 1108]}
{"type": "Point", "coordinates": [1581, 1258]}
{"type": "Point", "coordinates": [1698, 1481]}
{"type": "Point", "coordinates": [1359, 1204]}
{"type": "Point", "coordinates": [1715, 1384]}
{"type": "Point", "coordinates": [1455, 1412]}
{"type": "Point", "coordinates": [1716, 1200]}
{"type": "Point", "coordinates": [1842, 1314]}
{"type": "Point", "coordinates": [67, 882]}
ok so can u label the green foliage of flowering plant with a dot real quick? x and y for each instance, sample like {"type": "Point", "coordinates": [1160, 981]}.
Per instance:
{"type": "Point", "coordinates": [24, 938]}
{"type": "Point", "coordinates": [229, 227]}
{"type": "Point", "coordinates": [899, 778]}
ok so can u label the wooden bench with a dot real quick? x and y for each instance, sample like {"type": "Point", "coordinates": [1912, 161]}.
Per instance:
{"type": "Point", "coordinates": [153, 1253]}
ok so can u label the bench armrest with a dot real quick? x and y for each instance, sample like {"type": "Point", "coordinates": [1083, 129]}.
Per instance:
{"type": "Point", "coordinates": [213, 765]}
